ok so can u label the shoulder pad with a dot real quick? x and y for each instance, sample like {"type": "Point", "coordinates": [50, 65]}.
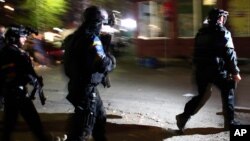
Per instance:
{"type": "Point", "coordinates": [229, 39]}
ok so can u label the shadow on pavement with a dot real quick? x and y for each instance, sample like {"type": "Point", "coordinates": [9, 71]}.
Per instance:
{"type": "Point", "coordinates": [115, 132]}
{"type": "Point", "coordinates": [202, 131]}
{"type": "Point", "coordinates": [132, 132]}
{"type": "Point", "coordinates": [56, 124]}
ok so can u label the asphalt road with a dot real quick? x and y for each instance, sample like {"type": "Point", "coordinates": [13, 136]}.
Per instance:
{"type": "Point", "coordinates": [142, 103]}
{"type": "Point", "coordinates": [131, 81]}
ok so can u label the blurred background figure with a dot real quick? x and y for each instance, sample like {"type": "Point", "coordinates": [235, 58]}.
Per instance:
{"type": "Point", "coordinates": [38, 51]}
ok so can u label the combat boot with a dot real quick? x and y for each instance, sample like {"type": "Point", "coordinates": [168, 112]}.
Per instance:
{"type": "Point", "coordinates": [228, 125]}
{"type": "Point", "coordinates": [181, 121]}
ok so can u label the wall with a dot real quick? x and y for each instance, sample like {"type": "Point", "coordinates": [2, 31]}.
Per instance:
{"type": "Point", "coordinates": [182, 47]}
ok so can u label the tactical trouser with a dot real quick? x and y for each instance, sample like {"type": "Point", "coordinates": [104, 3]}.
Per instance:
{"type": "Point", "coordinates": [204, 85]}
{"type": "Point", "coordinates": [1, 102]}
{"type": "Point", "coordinates": [16, 103]}
{"type": "Point", "coordinates": [89, 118]}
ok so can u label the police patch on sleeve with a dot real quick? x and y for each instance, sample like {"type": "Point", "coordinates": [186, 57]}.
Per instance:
{"type": "Point", "coordinates": [97, 44]}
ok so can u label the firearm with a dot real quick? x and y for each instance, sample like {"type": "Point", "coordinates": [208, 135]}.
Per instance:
{"type": "Point", "coordinates": [106, 40]}
{"type": "Point", "coordinates": [38, 84]}
{"type": "Point", "coordinates": [106, 81]}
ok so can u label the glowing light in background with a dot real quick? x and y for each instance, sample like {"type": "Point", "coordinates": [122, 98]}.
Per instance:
{"type": "Point", "coordinates": [50, 36]}
{"type": "Point", "coordinates": [108, 29]}
{"type": "Point", "coordinates": [128, 23]}
{"type": "Point", "coordinates": [209, 2]}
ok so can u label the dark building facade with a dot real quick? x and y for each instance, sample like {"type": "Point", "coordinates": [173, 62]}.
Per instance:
{"type": "Point", "coordinates": [166, 28]}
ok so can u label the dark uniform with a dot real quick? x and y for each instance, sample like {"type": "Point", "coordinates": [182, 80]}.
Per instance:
{"type": "Point", "coordinates": [2, 42]}
{"type": "Point", "coordinates": [215, 62]}
{"type": "Point", "coordinates": [16, 71]}
{"type": "Point", "coordinates": [86, 65]}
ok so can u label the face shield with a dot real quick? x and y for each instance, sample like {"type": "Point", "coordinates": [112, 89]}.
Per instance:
{"type": "Point", "coordinates": [104, 14]}
{"type": "Point", "coordinates": [224, 14]}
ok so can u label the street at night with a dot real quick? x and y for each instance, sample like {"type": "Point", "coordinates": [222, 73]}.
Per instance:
{"type": "Point", "coordinates": [142, 103]}
{"type": "Point", "coordinates": [154, 46]}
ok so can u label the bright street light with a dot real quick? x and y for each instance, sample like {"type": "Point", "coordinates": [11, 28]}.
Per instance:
{"type": "Point", "coordinates": [9, 7]}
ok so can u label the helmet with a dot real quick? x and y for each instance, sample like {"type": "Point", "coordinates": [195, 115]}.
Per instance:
{"type": "Point", "coordinates": [16, 31]}
{"type": "Point", "coordinates": [94, 15]}
{"type": "Point", "coordinates": [214, 15]}
{"type": "Point", "coordinates": [93, 18]}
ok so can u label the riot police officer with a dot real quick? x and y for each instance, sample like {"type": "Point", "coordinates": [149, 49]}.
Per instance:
{"type": "Point", "coordinates": [86, 65]}
{"type": "Point", "coordinates": [16, 72]}
{"type": "Point", "coordinates": [215, 62]}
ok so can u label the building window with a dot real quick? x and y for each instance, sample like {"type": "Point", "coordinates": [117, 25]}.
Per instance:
{"type": "Point", "coordinates": [185, 18]}
{"type": "Point", "coordinates": [150, 23]}
{"type": "Point", "coordinates": [239, 17]}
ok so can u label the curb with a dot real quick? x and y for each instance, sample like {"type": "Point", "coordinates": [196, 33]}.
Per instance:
{"type": "Point", "coordinates": [242, 109]}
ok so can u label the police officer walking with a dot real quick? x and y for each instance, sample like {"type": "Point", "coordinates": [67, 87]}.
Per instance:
{"type": "Point", "coordinates": [16, 71]}
{"type": "Point", "coordinates": [215, 62]}
{"type": "Point", "coordinates": [86, 65]}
